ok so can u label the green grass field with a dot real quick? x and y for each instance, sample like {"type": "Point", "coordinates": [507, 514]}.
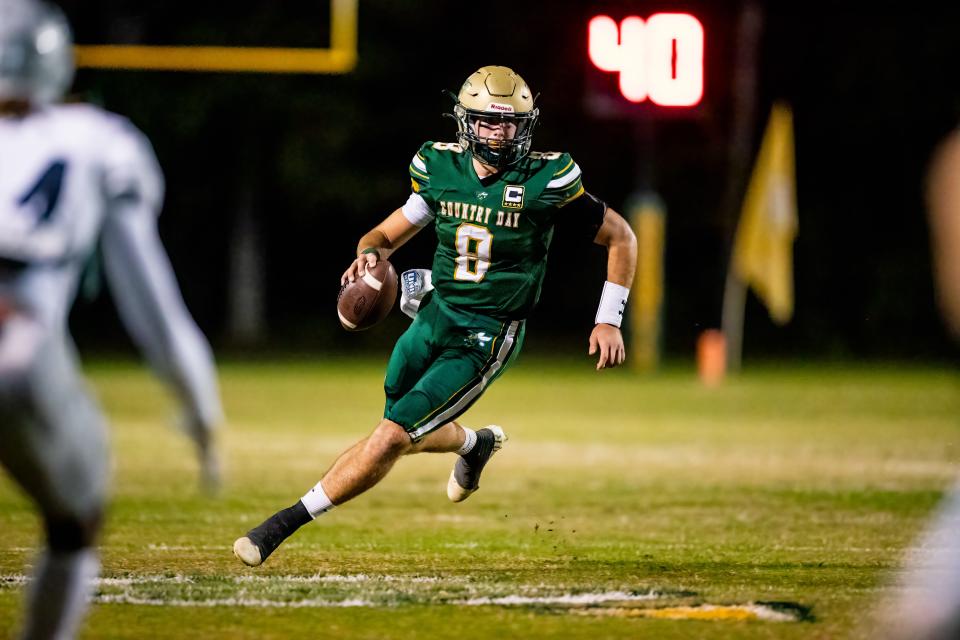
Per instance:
{"type": "Point", "coordinates": [799, 484]}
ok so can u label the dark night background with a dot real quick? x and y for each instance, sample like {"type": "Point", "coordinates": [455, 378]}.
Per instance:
{"type": "Point", "coordinates": [323, 158]}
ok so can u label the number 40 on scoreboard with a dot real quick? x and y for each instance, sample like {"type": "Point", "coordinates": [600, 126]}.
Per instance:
{"type": "Point", "coordinates": [659, 59]}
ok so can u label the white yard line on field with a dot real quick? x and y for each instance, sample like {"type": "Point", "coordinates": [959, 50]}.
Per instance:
{"type": "Point", "coordinates": [627, 604]}
{"type": "Point", "coordinates": [570, 598]}
{"type": "Point", "coordinates": [125, 598]}
{"type": "Point", "coordinates": [348, 578]}
{"type": "Point", "coordinates": [20, 579]}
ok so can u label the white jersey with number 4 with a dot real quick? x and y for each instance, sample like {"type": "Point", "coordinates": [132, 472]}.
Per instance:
{"type": "Point", "coordinates": [74, 178]}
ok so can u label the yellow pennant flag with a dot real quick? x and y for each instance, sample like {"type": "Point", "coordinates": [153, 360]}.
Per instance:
{"type": "Point", "coordinates": [763, 248]}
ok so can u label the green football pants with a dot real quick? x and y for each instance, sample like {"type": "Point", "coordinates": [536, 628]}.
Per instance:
{"type": "Point", "coordinates": [444, 362]}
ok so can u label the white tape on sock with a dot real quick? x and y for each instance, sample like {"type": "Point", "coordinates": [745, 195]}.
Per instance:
{"type": "Point", "coordinates": [316, 501]}
{"type": "Point", "coordinates": [468, 441]}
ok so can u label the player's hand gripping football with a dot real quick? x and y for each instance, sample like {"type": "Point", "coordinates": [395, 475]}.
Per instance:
{"type": "Point", "coordinates": [359, 267]}
{"type": "Point", "coordinates": [609, 341]}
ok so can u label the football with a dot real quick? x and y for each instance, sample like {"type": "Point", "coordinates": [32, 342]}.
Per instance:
{"type": "Point", "coordinates": [367, 300]}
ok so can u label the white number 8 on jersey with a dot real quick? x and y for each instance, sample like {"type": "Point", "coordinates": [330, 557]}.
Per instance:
{"type": "Point", "coordinates": [473, 245]}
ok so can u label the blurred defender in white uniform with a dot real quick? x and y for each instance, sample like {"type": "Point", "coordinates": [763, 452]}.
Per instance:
{"type": "Point", "coordinates": [72, 178]}
{"type": "Point", "coordinates": [926, 604]}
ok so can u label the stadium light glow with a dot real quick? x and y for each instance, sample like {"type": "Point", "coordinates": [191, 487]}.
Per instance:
{"type": "Point", "coordinates": [660, 59]}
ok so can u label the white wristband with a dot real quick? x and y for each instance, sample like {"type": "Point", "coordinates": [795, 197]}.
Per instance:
{"type": "Point", "coordinates": [613, 302]}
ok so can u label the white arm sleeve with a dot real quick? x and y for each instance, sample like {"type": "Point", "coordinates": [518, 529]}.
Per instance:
{"type": "Point", "coordinates": [144, 287]}
{"type": "Point", "coordinates": [417, 211]}
{"type": "Point", "coordinates": [152, 309]}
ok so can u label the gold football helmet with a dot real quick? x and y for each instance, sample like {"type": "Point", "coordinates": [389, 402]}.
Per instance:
{"type": "Point", "coordinates": [496, 95]}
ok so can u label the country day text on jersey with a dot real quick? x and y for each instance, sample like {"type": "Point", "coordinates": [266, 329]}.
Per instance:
{"type": "Point", "coordinates": [479, 214]}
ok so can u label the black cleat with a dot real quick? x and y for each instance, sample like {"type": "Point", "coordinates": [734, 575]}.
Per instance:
{"type": "Point", "coordinates": [255, 547]}
{"type": "Point", "coordinates": [465, 477]}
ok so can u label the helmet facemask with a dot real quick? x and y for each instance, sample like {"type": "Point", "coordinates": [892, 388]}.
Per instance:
{"type": "Point", "coordinates": [496, 152]}
{"type": "Point", "coordinates": [495, 95]}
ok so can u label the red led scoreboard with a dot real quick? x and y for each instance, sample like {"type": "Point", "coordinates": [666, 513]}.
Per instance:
{"type": "Point", "coordinates": [652, 64]}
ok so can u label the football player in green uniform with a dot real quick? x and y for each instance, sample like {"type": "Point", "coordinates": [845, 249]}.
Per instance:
{"type": "Point", "coordinates": [494, 204]}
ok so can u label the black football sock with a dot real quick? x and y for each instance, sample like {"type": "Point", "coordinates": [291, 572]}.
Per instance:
{"type": "Point", "coordinates": [482, 449]}
{"type": "Point", "coordinates": [278, 528]}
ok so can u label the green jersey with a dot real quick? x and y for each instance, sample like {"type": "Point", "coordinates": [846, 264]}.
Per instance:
{"type": "Point", "coordinates": [493, 235]}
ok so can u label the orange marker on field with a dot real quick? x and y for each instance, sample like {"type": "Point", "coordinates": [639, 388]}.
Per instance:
{"type": "Point", "coordinates": [712, 357]}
